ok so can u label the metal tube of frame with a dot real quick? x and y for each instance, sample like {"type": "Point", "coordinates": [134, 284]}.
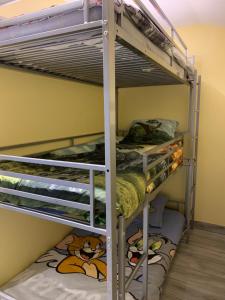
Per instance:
{"type": "Point", "coordinates": [51, 34]}
{"type": "Point", "coordinates": [55, 163]}
{"type": "Point", "coordinates": [156, 162]}
{"type": "Point", "coordinates": [86, 11]}
{"type": "Point", "coordinates": [58, 182]}
{"type": "Point", "coordinates": [46, 199]}
{"type": "Point", "coordinates": [161, 12]}
{"type": "Point", "coordinates": [145, 248]}
{"type": "Point", "coordinates": [188, 195]}
{"type": "Point", "coordinates": [164, 170]}
{"type": "Point", "coordinates": [92, 198]}
{"type": "Point", "coordinates": [49, 141]}
{"type": "Point", "coordinates": [48, 217]}
{"type": "Point", "coordinates": [147, 11]}
{"type": "Point", "coordinates": [197, 112]}
{"type": "Point", "coordinates": [121, 258]}
{"type": "Point", "coordinates": [191, 127]}
{"type": "Point", "coordinates": [110, 144]}
{"type": "Point", "coordinates": [179, 137]}
{"type": "Point", "coordinates": [117, 111]}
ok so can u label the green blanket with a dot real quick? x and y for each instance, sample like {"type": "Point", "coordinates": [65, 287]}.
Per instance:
{"type": "Point", "coordinates": [130, 181]}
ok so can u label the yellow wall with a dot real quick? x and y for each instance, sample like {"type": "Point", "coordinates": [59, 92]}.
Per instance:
{"type": "Point", "coordinates": [208, 44]}
{"type": "Point", "coordinates": [35, 108]}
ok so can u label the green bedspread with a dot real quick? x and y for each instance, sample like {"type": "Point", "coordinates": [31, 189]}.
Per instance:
{"type": "Point", "coordinates": [130, 181]}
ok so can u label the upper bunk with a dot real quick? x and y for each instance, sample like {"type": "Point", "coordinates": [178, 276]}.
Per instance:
{"type": "Point", "coordinates": [66, 40]}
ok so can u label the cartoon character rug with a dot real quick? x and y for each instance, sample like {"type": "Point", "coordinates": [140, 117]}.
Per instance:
{"type": "Point", "coordinates": [76, 268]}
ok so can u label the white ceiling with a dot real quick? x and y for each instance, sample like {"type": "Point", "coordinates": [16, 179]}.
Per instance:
{"type": "Point", "coordinates": [186, 12]}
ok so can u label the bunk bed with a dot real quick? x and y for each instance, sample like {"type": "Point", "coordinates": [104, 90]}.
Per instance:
{"type": "Point", "coordinates": [115, 45]}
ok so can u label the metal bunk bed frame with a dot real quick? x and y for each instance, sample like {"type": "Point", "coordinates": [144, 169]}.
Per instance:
{"type": "Point", "coordinates": [165, 74]}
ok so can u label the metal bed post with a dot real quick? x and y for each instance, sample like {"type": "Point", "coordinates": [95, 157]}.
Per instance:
{"type": "Point", "coordinates": [110, 144]}
{"type": "Point", "coordinates": [117, 111]}
{"type": "Point", "coordinates": [191, 164]}
{"type": "Point", "coordinates": [121, 258]}
{"type": "Point", "coordinates": [145, 234]}
{"type": "Point", "coordinates": [86, 11]}
{"type": "Point", "coordinates": [145, 248]}
{"type": "Point", "coordinates": [197, 112]}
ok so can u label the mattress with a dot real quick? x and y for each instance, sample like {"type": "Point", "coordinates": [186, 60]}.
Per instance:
{"type": "Point", "coordinates": [130, 180]}
{"type": "Point", "coordinates": [70, 14]}
{"type": "Point", "coordinates": [51, 276]}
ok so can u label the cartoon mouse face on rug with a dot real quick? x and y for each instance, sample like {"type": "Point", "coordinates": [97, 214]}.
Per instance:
{"type": "Point", "coordinates": [84, 253]}
{"type": "Point", "coordinates": [135, 250]}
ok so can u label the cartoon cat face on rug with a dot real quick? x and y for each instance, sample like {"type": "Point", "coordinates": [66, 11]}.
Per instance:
{"type": "Point", "coordinates": [135, 249]}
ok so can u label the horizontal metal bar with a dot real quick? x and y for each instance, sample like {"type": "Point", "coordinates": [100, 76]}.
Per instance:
{"type": "Point", "coordinates": [53, 33]}
{"type": "Point", "coordinates": [134, 272]}
{"type": "Point", "coordinates": [47, 217]}
{"type": "Point", "coordinates": [159, 160]}
{"type": "Point", "coordinates": [46, 199]}
{"type": "Point", "coordinates": [49, 141]}
{"type": "Point", "coordinates": [41, 14]}
{"type": "Point", "coordinates": [143, 6]}
{"type": "Point", "coordinates": [164, 16]}
{"type": "Point", "coordinates": [178, 137]}
{"type": "Point", "coordinates": [55, 163]}
{"type": "Point", "coordinates": [160, 173]}
{"type": "Point", "coordinates": [58, 182]}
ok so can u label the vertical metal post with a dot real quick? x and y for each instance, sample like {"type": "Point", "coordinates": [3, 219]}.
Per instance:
{"type": "Point", "coordinates": [92, 198]}
{"type": "Point", "coordinates": [191, 129]}
{"type": "Point", "coordinates": [117, 111]}
{"type": "Point", "coordinates": [86, 11]}
{"type": "Point", "coordinates": [121, 262]}
{"type": "Point", "coordinates": [110, 144]}
{"type": "Point", "coordinates": [145, 248]}
{"type": "Point", "coordinates": [197, 112]}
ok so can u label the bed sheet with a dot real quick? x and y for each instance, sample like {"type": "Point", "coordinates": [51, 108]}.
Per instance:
{"type": "Point", "coordinates": [76, 267]}
{"type": "Point", "coordinates": [130, 180]}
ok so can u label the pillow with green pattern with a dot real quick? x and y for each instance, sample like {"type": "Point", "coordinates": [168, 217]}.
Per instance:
{"type": "Point", "coordinates": [152, 132]}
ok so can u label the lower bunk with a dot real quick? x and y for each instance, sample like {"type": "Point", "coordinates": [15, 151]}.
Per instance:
{"type": "Point", "coordinates": [76, 267]}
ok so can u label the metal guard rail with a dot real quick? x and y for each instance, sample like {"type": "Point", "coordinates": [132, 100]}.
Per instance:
{"type": "Point", "coordinates": [90, 187]}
